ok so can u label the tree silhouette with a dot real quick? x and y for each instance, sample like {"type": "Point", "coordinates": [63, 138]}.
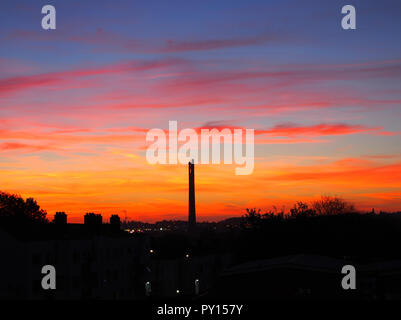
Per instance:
{"type": "Point", "coordinates": [14, 210]}
{"type": "Point", "coordinates": [326, 206]}
{"type": "Point", "coordinates": [301, 209]}
{"type": "Point", "coordinates": [252, 218]}
{"type": "Point", "coordinates": [332, 205]}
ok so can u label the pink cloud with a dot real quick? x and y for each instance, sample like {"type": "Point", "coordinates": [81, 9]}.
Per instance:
{"type": "Point", "coordinates": [11, 146]}
{"type": "Point", "coordinates": [8, 85]}
{"type": "Point", "coordinates": [289, 130]}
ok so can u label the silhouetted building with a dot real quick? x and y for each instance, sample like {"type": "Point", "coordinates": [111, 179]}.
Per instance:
{"type": "Point", "coordinates": [289, 277]}
{"type": "Point", "coordinates": [172, 274]}
{"type": "Point", "coordinates": [92, 219]}
{"type": "Point", "coordinates": [191, 198]}
{"type": "Point", "coordinates": [307, 277]}
{"type": "Point", "coordinates": [60, 218]}
{"type": "Point", "coordinates": [115, 222]}
{"type": "Point", "coordinates": [88, 265]}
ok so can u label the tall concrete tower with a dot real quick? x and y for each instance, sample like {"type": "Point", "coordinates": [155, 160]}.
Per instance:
{"type": "Point", "coordinates": [191, 198]}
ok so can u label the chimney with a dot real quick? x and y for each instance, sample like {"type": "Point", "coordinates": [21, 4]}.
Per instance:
{"type": "Point", "coordinates": [191, 198]}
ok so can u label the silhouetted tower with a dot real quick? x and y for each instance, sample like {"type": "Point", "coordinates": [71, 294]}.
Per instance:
{"type": "Point", "coordinates": [191, 202]}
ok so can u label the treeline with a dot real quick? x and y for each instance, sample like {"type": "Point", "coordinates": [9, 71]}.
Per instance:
{"type": "Point", "coordinates": [329, 226]}
{"type": "Point", "coordinates": [325, 206]}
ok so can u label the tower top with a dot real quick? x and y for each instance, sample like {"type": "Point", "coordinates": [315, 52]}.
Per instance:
{"type": "Point", "coordinates": [191, 196]}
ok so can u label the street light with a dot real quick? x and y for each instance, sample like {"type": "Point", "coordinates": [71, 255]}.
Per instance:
{"type": "Point", "coordinates": [197, 286]}
{"type": "Point", "coordinates": [148, 289]}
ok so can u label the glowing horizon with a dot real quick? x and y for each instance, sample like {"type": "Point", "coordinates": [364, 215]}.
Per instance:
{"type": "Point", "coordinates": [76, 103]}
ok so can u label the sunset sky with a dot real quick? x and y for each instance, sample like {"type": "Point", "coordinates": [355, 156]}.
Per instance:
{"type": "Point", "coordinates": [76, 103]}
